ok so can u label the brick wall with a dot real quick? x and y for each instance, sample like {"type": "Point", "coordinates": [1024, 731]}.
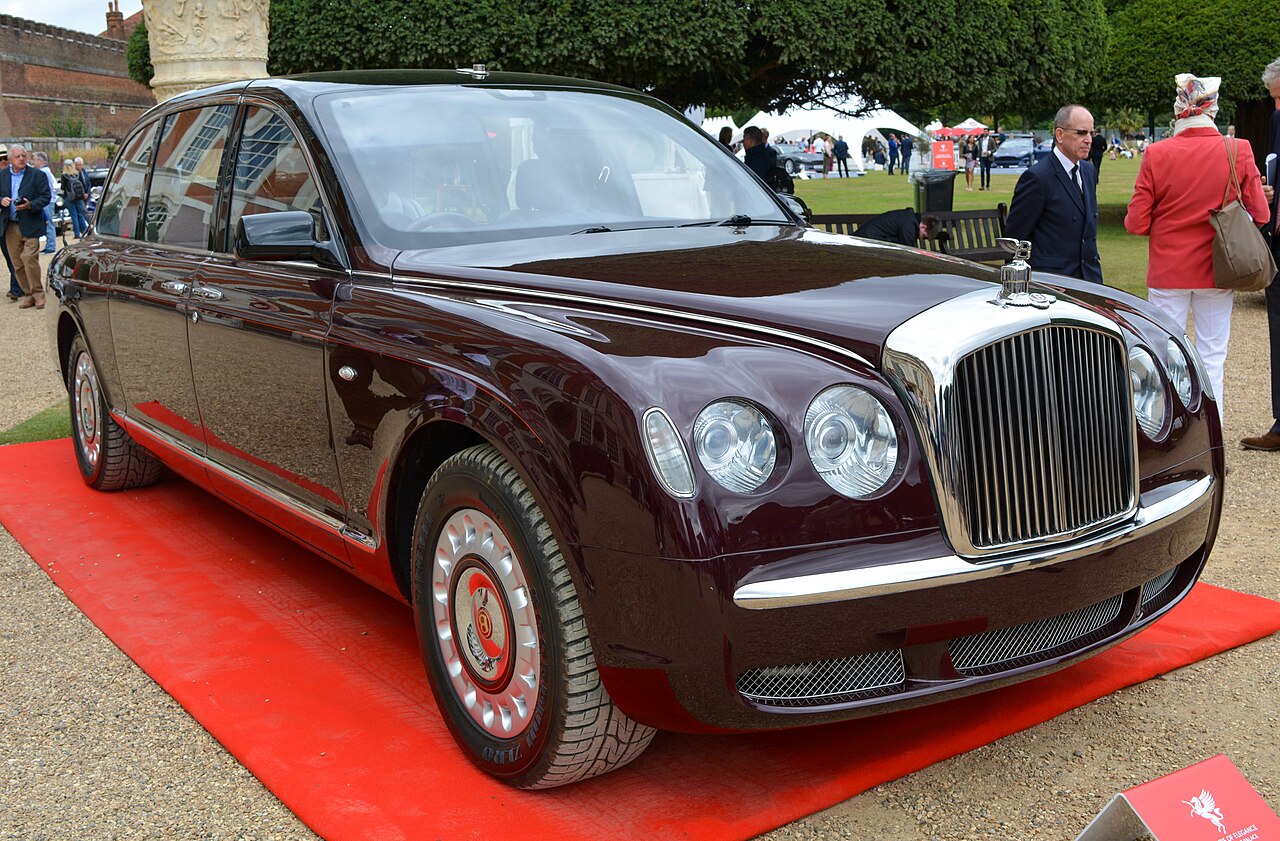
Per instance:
{"type": "Point", "coordinates": [49, 72]}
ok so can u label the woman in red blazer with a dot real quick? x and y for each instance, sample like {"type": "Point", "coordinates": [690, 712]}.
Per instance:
{"type": "Point", "coordinates": [1180, 180]}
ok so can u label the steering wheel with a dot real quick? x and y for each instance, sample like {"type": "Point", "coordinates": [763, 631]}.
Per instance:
{"type": "Point", "coordinates": [442, 219]}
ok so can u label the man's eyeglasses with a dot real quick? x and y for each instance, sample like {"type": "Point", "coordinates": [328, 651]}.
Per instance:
{"type": "Point", "coordinates": [1079, 132]}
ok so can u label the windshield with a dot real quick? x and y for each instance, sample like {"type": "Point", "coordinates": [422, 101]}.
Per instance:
{"type": "Point", "coordinates": [438, 166]}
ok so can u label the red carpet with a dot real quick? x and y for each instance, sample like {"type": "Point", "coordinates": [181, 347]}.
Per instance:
{"type": "Point", "coordinates": [313, 681]}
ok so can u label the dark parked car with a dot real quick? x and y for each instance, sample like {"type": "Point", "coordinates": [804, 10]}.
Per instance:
{"type": "Point", "coordinates": [640, 449]}
{"type": "Point", "coordinates": [1016, 151]}
{"type": "Point", "coordinates": [793, 158]}
{"type": "Point", "coordinates": [1043, 149]}
{"type": "Point", "coordinates": [97, 178]}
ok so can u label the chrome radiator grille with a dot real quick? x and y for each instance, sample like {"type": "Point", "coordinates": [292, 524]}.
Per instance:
{"type": "Point", "coordinates": [823, 681]}
{"type": "Point", "coordinates": [1042, 440]}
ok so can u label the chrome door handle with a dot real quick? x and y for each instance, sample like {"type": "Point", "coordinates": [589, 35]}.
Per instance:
{"type": "Point", "coordinates": [174, 287]}
{"type": "Point", "coordinates": [209, 293]}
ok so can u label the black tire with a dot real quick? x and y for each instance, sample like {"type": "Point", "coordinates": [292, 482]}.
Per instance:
{"type": "Point", "coordinates": [790, 166]}
{"type": "Point", "coordinates": [487, 569]}
{"type": "Point", "coordinates": [109, 459]}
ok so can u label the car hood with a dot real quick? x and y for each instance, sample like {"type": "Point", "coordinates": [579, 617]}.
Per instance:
{"type": "Point", "coordinates": [840, 290]}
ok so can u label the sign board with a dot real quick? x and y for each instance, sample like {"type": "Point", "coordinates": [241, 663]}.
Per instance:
{"type": "Point", "coordinates": [1208, 801]}
{"type": "Point", "coordinates": [944, 154]}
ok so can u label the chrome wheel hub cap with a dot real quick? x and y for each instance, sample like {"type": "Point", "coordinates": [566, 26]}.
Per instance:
{"type": "Point", "coordinates": [88, 424]}
{"type": "Point", "coordinates": [485, 624]}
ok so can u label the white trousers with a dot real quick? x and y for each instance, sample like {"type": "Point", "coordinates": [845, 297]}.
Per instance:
{"type": "Point", "coordinates": [1212, 311]}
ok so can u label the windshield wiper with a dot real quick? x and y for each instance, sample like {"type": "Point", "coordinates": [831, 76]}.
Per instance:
{"type": "Point", "coordinates": [738, 220]}
{"type": "Point", "coordinates": [594, 229]}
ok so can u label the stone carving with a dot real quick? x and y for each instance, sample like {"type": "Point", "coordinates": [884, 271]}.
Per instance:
{"type": "Point", "coordinates": [203, 42]}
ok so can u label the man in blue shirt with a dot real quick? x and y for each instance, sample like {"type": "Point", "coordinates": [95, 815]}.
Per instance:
{"type": "Point", "coordinates": [24, 194]}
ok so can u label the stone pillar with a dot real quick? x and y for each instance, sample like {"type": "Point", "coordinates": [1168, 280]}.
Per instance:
{"type": "Point", "coordinates": [195, 43]}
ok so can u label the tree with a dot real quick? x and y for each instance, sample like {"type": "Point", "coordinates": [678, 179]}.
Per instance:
{"type": "Point", "coordinates": [1154, 40]}
{"type": "Point", "coordinates": [989, 56]}
{"type": "Point", "coordinates": [137, 54]}
{"type": "Point", "coordinates": [725, 54]}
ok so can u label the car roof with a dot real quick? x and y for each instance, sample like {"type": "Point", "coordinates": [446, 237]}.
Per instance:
{"type": "Point", "coordinates": [304, 85]}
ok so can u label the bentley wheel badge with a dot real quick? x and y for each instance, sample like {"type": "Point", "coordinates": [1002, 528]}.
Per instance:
{"type": "Point", "coordinates": [1015, 278]}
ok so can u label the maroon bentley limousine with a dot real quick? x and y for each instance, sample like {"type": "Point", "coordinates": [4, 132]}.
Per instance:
{"type": "Point", "coordinates": [641, 450]}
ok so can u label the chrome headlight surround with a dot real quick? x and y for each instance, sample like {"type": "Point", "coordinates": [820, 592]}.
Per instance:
{"type": "Point", "coordinates": [852, 440]}
{"type": "Point", "coordinates": [736, 444]}
{"type": "Point", "coordinates": [1178, 366]}
{"type": "Point", "coordinates": [667, 456]}
{"type": "Point", "coordinates": [1147, 382]}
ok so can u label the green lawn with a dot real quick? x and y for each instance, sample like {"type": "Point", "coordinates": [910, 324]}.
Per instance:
{"type": "Point", "coordinates": [1124, 257]}
{"type": "Point", "coordinates": [53, 422]}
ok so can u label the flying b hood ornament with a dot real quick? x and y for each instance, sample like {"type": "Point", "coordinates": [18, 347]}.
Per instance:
{"type": "Point", "coordinates": [1015, 278]}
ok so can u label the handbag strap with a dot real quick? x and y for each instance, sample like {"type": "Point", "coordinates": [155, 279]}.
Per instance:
{"type": "Point", "coordinates": [1235, 179]}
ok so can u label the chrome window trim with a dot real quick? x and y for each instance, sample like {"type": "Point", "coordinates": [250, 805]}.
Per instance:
{"type": "Point", "coordinates": [921, 357]}
{"type": "Point", "coordinates": [950, 570]}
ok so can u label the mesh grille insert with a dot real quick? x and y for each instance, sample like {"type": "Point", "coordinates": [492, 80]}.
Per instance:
{"type": "Point", "coordinates": [989, 651]}
{"type": "Point", "coordinates": [823, 681]}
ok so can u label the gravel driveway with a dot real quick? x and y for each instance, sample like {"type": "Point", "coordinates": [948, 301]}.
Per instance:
{"type": "Point", "coordinates": [93, 749]}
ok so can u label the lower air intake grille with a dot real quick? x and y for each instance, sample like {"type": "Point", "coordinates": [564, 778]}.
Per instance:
{"type": "Point", "coordinates": [1153, 589]}
{"type": "Point", "coordinates": [822, 681]}
{"type": "Point", "coordinates": [993, 651]}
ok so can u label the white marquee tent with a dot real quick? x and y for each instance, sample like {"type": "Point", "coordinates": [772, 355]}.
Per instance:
{"type": "Point", "coordinates": [712, 126]}
{"type": "Point", "coordinates": [805, 122]}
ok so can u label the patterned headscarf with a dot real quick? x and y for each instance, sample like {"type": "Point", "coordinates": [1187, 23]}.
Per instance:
{"type": "Point", "coordinates": [1196, 97]}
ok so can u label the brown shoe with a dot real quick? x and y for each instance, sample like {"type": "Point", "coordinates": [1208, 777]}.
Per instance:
{"type": "Point", "coordinates": [12, 297]}
{"type": "Point", "coordinates": [27, 303]}
{"type": "Point", "coordinates": [1269, 442]}
{"type": "Point", "coordinates": [39, 301]}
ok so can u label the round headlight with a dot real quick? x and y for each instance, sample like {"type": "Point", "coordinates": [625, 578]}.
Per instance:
{"type": "Point", "coordinates": [1148, 391]}
{"type": "Point", "coordinates": [1179, 371]}
{"type": "Point", "coordinates": [851, 440]}
{"type": "Point", "coordinates": [735, 443]}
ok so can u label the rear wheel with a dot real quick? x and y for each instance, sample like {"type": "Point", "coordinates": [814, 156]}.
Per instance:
{"type": "Point", "coordinates": [503, 636]}
{"type": "Point", "coordinates": [109, 459]}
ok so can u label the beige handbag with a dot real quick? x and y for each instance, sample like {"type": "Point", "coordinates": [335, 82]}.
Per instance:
{"type": "Point", "coordinates": [1241, 258]}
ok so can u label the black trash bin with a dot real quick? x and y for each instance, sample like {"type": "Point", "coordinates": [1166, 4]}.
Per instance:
{"type": "Point", "coordinates": [935, 190]}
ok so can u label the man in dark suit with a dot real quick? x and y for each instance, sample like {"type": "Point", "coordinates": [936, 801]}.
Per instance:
{"type": "Point", "coordinates": [1270, 440]}
{"type": "Point", "coordinates": [24, 193]}
{"type": "Point", "coordinates": [905, 227]}
{"type": "Point", "coordinates": [1055, 204]}
{"type": "Point", "coordinates": [1097, 148]}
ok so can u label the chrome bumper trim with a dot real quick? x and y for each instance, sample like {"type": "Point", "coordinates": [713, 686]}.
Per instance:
{"type": "Point", "coordinates": [952, 569]}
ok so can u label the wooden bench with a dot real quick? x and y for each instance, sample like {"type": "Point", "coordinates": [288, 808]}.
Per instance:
{"type": "Point", "coordinates": [973, 232]}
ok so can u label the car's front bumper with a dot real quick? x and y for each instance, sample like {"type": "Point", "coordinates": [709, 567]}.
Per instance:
{"type": "Point", "coordinates": [745, 642]}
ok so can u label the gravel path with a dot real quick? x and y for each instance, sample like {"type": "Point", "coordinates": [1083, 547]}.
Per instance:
{"type": "Point", "coordinates": [93, 749]}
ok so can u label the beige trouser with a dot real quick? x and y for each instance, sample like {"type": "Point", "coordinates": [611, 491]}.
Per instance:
{"type": "Point", "coordinates": [25, 254]}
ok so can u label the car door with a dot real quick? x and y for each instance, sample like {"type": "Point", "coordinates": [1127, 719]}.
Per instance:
{"type": "Point", "coordinates": [148, 297]}
{"type": "Point", "coordinates": [257, 334]}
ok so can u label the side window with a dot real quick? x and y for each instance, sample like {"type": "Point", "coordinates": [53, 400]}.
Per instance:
{"type": "Point", "coordinates": [184, 187]}
{"type": "Point", "coordinates": [271, 171]}
{"type": "Point", "coordinates": [118, 209]}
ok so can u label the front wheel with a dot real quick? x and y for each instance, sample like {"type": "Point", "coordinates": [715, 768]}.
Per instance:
{"type": "Point", "coordinates": [502, 632]}
{"type": "Point", "coordinates": [108, 458]}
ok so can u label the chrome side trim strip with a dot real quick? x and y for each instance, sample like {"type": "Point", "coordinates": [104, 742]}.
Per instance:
{"type": "Point", "coordinates": [952, 569]}
{"type": "Point", "coordinates": [319, 518]}
{"type": "Point", "coordinates": [645, 309]}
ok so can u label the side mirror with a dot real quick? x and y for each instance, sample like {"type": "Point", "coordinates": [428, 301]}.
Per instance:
{"type": "Point", "coordinates": [797, 206]}
{"type": "Point", "coordinates": [286, 235]}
